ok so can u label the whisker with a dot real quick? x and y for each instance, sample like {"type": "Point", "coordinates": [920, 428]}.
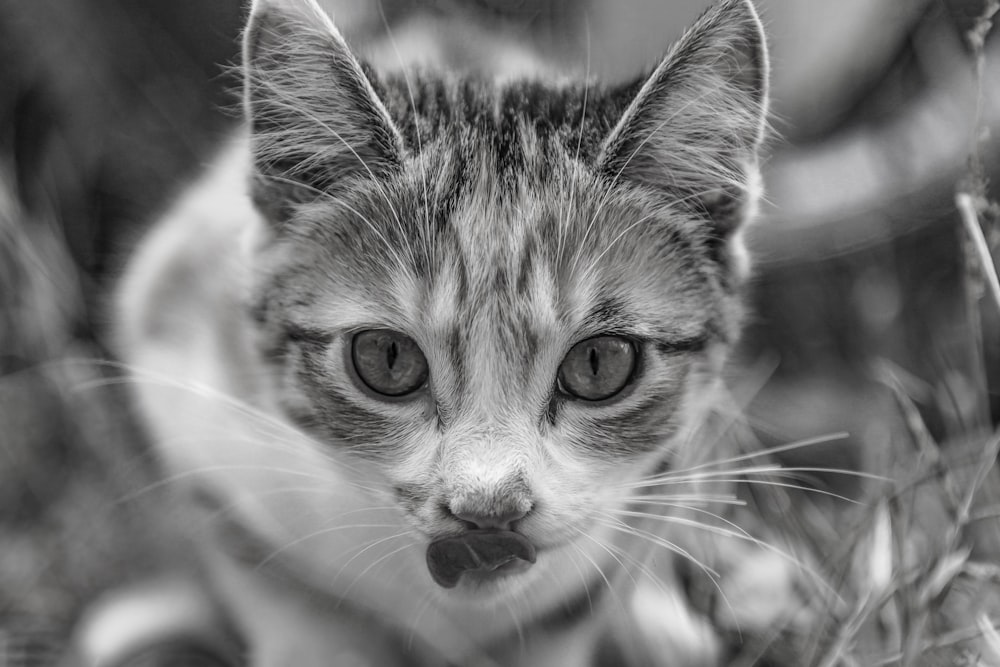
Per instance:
{"type": "Point", "coordinates": [259, 418]}
{"type": "Point", "coordinates": [424, 606]}
{"type": "Point", "coordinates": [668, 518]}
{"type": "Point", "coordinates": [518, 626]}
{"type": "Point", "coordinates": [371, 565]}
{"type": "Point", "coordinates": [318, 533]}
{"type": "Point", "coordinates": [798, 444]}
{"type": "Point", "coordinates": [635, 561]}
{"type": "Point", "coordinates": [208, 470]}
{"type": "Point", "coordinates": [166, 443]}
{"type": "Point", "coordinates": [583, 578]}
{"type": "Point", "coordinates": [140, 374]}
{"type": "Point", "coordinates": [684, 521]}
{"type": "Point", "coordinates": [776, 470]}
{"type": "Point", "coordinates": [738, 533]}
{"type": "Point", "coordinates": [619, 525]}
{"type": "Point", "coordinates": [248, 440]}
{"type": "Point", "coordinates": [712, 574]}
{"type": "Point", "coordinates": [657, 499]}
{"type": "Point", "coordinates": [643, 568]}
{"type": "Point", "coordinates": [685, 476]}
{"type": "Point", "coordinates": [235, 504]}
{"type": "Point", "coordinates": [600, 571]}
{"type": "Point", "coordinates": [364, 550]}
{"type": "Point", "coordinates": [765, 482]}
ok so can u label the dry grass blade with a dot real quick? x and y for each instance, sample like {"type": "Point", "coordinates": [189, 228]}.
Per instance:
{"type": "Point", "coordinates": [919, 433]}
{"type": "Point", "coordinates": [968, 210]}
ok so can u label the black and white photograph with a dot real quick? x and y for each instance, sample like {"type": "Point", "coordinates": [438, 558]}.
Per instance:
{"type": "Point", "coordinates": [499, 333]}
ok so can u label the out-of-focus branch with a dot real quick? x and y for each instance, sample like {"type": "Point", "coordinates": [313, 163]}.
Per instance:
{"type": "Point", "coordinates": [872, 182]}
{"type": "Point", "coordinates": [970, 219]}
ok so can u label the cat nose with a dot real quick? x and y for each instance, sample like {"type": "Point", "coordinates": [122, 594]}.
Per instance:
{"type": "Point", "coordinates": [502, 519]}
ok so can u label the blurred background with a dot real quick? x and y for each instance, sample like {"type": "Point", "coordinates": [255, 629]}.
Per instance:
{"type": "Point", "coordinates": [865, 288]}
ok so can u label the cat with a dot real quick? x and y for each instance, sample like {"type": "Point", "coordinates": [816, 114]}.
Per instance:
{"type": "Point", "coordinates": [417, 349]}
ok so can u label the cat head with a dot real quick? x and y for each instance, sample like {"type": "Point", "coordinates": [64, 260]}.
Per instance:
{"type": "Point", "coordinates": [507, 301]}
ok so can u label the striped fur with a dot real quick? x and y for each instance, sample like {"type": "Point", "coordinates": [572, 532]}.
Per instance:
{"type": "Point", "coordinates": [497, 224]}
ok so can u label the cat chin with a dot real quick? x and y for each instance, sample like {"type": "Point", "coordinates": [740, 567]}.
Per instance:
{"type": "Point", "coordinates": [520, 583]}
{"type": "Point", "coordinates": [488, 588]}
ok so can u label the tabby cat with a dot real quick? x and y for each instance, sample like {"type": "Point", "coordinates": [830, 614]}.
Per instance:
{"type": "Point", "coordinates": [419, 348]}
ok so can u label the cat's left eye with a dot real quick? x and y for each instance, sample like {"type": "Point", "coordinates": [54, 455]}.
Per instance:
{"type": "Point", "coordinates": [597, 368]}
{"type": "Point", "coordinates": [388, 362]}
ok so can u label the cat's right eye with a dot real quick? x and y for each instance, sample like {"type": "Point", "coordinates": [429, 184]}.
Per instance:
{"type": "Point", "coordinates": [388, 362]}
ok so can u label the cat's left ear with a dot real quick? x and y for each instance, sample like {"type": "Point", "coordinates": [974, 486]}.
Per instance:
{"type": "Point", "coordinates": [316, 122]}
{"type": "Point", "coordinates": [694, 129]}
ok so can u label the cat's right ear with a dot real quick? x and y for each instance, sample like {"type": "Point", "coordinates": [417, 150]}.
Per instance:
{"type": "Point", "coordinates": [316, 123]}
{"type": "Point", "coordinates": [694, 129]}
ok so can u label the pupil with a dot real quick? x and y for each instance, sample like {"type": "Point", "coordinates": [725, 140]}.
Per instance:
{"type": "Point", "coordinates": [594, 365]}
{"type": "Point", "coordinates": [392, 354]}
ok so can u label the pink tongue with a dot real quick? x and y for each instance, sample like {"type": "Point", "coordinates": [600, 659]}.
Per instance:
{"type": "Point", "coordinates": [476, 550]}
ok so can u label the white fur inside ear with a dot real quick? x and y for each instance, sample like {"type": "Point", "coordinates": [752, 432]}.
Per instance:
{"type": "Point", "coordinates": [313, 114]}
{"type": "Point", "coordinates": [307, 16]}
{"type": "Point", "coordinates": [694, 129]}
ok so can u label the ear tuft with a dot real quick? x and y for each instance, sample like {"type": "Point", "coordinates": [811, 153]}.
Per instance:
{"type": "Point", "coordinates": [695, 128]}
{"type": "Point", "coordinates": [315, 119]}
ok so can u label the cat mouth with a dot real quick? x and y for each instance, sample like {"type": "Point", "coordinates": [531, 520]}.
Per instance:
{"type": "Point", "coordinates": [478, 555]}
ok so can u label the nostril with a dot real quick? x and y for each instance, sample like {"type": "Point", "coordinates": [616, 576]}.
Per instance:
{"type": "Point", "coordinates": [500, 520]}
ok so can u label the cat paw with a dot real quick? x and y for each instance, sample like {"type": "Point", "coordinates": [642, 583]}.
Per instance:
{"type": "Point", "coordinates": [761, 592]}
{"type": "Point", "coordinates": [168, 623]}
{"type": "Point", "coordinates": [668, 625]}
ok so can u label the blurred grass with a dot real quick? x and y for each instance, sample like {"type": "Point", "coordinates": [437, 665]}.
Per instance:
{"type": "Point", "coordinates": [106, 108]}
{"type": "Point", "coordinates": [69, 453]}
{"type": "Point", "coordinates": [917, 577]}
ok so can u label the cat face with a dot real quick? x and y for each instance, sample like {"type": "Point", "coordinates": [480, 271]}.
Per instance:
{"type": "Point", "coordinates": [505, 302]}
